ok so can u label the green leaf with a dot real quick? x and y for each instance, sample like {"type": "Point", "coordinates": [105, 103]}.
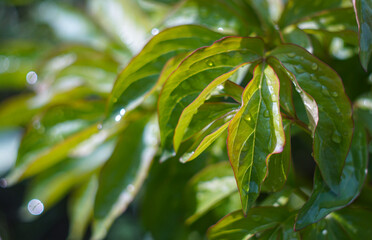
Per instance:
{"type": "Point", "coordinates": [121, 178]}
{"type": "Point", "coordinates": [80, 207]}
{"type": "Point", "coordinates": [278, 165]}
{"type": "Point", "coordinates": [329, 111]}
{"type": "Point", "coordinates": [209, 187]}
{"type": "Point", "coordinates": [346, 224]}
{"type": "Point", "coordinates": [196, 72]}
{"type": "Point", "coordinates": [297, 36]}
{"type": "Point", "coordinates": [363, 111]}
{"type": "Point", "coordinates": [228, 16]}
{"type": "Point", "coordinates": [296, 10]}
{"type": "Point", "coordinates": [188, 113]}
{"type": "Point", "coordinates": [53, 184]}
{"type": "Point", "coordinates": [53, 135]}
{"type": "Point", "coordinates": [237, 226]}
{"type": "Point", "coordinates": [323, 201]}
{"type": "Point", "coordinates": [255, 133]}
{"type": "Point", "coordinates": [143, 71]}
{"type": "Point", "coordinates": [363, 12]}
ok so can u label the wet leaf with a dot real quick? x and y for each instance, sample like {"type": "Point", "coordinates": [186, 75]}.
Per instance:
{"type": "Point", "coordinates": [255, 133]}
{"type": "Point", "coordinates": [142, 73]}
{"type": "Point", "coordinates": [121, 178]}
{"type": "Point", "coordinates": [329, 111]}
{"type": "Point", "coordinates": [322, 200]}
{"type": "Point", "coordinates": [278, 164]}
{"type": "Point", "coordinates": [237, 226]}
{"type": "Point", "coordinates": [80, 207]}
{"type": "Point", "coordinates": [195, 73]}
{"type": "Point", "coordinates": [363, 11]}
{"type": "Point", "coordinates": [207, 188]}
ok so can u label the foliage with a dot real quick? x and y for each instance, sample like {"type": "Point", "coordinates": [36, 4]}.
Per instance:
{"type": "Point", "coordinates": [135, 87]}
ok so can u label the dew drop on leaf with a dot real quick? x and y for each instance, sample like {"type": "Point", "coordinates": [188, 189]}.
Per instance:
{"type": "Point", "coordinates": [325, 91]}
{"type": "Point", "coordinates": [210, 63]}
{"type": "Point", "coordinates": [299, 69]}
{"type": "Point", "coordinates": [248, 117]}
{"type": "Point", "coordinates": [186, 156]}
{"type": "Point", "coordinates": [324, 232]}
{"type": "Point", "coordinates": [266, 113]}
{"type": "Point", "coordinates": [334, 94]}
{"type": "Point", "coordinates": [99, 126]}
{"type": "Point", "coordinates": [336, 137]}
{"type": "Point", "coordinates": [314, 66]}
{"type": "Point", "coordinates": [291, 55]}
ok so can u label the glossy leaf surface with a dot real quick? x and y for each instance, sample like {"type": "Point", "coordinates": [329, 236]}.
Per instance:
{"type": "Point", "coordinates": [363, 11]}
{"type": "Point", "coordinates": [323, 201]}
{"type": "Point", "coordinates": [121, 178]}
{"type": "Point", "coordinates": [143, 71]}
{"type": "Point", "coordinates": [208, 188]}
{"type": "Point", "coordinates": [196, 72]}
{"type": "Point", "coordinates": [237, 226]}
{"type": "Point", "coordinates": [255, 133]}
{"type": "Point", "coordinates": [331, 111]}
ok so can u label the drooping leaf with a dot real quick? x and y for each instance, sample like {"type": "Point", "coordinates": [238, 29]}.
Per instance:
{"type": "Point", "coordinates": [196, 72]}
{"type": "Point", "coordinates": [50, 138]}
{"type": "Point", "coordinates": [143, 71]}
{"type": "Point", "coordinates": [188, 113]}
{"type": "Point", "coordinates": [53, 184]}
{"type": "Point", "coordinates": [363, 12]}
{"type": "Point", "coordinates": [322, 200]}
{"type": "Point", "coordinates": [278, 165]}
{"type": "Point", "coordinates": [255, 133]}
{"type": "Point", "coordinates": [121, 178]}
{"type": "Point", "coordinates": [81, 204]}
{"type": "Point", "coordinates": [237, 226]}
{"type": "Point", "coordinates": [208, 188]}
{"type": "Point", "coordinates": [329, 111]}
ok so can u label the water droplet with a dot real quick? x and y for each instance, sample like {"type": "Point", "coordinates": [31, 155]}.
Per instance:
{"type": "Point", "coordinates": [210, 63]}
{"type": "Point", "coordinates": [298, 89]}
{"type": "Point", "coordinates": [291, 55]}
{"type": "Point", "coordinates": [3, 183]}
{"type": "Point", "coordinates": [220, 29]}
{"type": "Point", "coordinates": [324, 232]}
{"type": "Point", "coordinates": [276, 204]}
{"type": "Point", "coordinates": [325, 91]}
{"type": "Point", "coordinates": [185, 157]}
{"type": "Point", "coordinates": [334, 94]}
{"type": "Point", "coordinates": [266, 113]}
{"type": "Point", "coordinates": [122, 112]}
{"type": "Point", "coordinates": [313, 77]}
{"type": "Point", "coordinates": [118, 118]}
{"type": "Point", "coordinates": [154, 31]}
{"type": "Point", "coordinates": [338, 110]}
{"type": "Point", "coordinates": [220, 87]}
{"type": "Point", "coordinates": [31, 77]}
{"type": "Point", "coordinates": [273, 98]}
{"type": "Point", "coordinates": [299, 69]}
{"type": "Point", "coordinates": [336, 137]}
{"type": "Point", "coordinates": [130, 188]}
{"type": "Point", "coordinates": [248, 117]}
{"type": "Point", "coordinates": [302, 58]}
{"type": "Point", "coordinates": [314, 66]}
{"type": "Point", "coordinates": [366, 171]}
{"type": "Point", "coordinates": [114, 100]}
{"type": "Point", "coordinates": [99, 126]}
{"type": "Point", "coordinates": [35, 207]}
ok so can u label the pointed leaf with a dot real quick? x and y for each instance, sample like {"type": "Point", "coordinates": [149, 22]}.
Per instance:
{"type": "Point", "coordinates": [255, 133]}
{"type": "Point", "coordinates": [121, 178]}
{"type": "Point", "coordinates": [323, 201]}
{"type": "Point", "coordinates": [196, 72]}
{"type": "Point", "coordinates": [237, 226]}
{"type": "Point", "coordinates": [143, 71]}
{"type": "Point", "coordinates": [81, 208]}
{"type": "Point", "coordinates": [333, 130]}
{"type": "Point", "coordinates": [363, 12]}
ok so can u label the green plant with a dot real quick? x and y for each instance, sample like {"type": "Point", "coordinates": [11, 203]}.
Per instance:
{"type": "Point", "coordinates": [236, 81]}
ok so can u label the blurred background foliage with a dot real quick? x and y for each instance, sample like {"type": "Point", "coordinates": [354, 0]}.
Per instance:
{"type": "Point", "coordinates": [58, 63]}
